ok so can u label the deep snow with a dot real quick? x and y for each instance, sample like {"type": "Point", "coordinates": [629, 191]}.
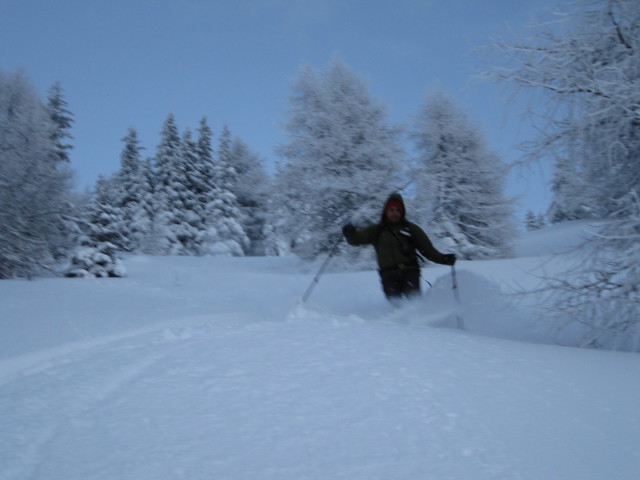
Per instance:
{"type": "Point", "coordinates": [210, 368]}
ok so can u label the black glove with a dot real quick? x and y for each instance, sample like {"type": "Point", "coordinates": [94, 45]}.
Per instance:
{"type": "Point", "coordinates": [449, 259]}
{"type": "Point", "coordinates": [348, 230]}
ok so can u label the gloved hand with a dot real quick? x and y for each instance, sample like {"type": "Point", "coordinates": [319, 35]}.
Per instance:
{"type": "Point", "coordinates": [348, 230]}
{"type": "Point", "coordinates": [449, 259]}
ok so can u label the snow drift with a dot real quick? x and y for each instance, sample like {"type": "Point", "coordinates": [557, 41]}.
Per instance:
{"type": "Point", "coordinates": [206, 368]}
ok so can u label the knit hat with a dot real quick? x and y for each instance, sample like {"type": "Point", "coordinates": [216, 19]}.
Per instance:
{"type": "Point", "coordinates": [394, 203]}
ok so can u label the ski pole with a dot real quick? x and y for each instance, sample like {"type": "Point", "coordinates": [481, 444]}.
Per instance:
{"type": "Point", "coordinates": [456, 295]}
{"type": "Point", "coordinates": [316, 279]}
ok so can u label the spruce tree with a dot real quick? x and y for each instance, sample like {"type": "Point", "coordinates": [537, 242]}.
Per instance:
{"type": "Point", "coordinates": [104, 217]}
{"type": "Point", "coordinates": [189, 215]}
{"type": "Point", "coordinates": [586, 66]}
{"type": "Point", "coordinates": [225, 234]}
{"type": "Point", "coordinates": [460, 183]}
{"type": "Point", "coordinates": [96, 255]}
{"type": "Point", "coordinates": [35, 212]}
{"type": "Point", "coordinates": [342, 157]}
{"type": "Point", "coordinates": [168, 189]}
{"type": "Point", "coordinates": [568, 202]}
{"type": "Point", "coordinates": [151, 241]}
{"type": "Point", "coordinates": [134, 221]}
{"type": "Point", "coordinates": [61, 123]}
{"type": "Point", "coordinates": [252, 191]}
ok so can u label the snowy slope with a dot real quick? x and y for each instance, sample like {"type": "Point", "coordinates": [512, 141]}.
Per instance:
{"type": "Point", "coordinates": [209, 368]}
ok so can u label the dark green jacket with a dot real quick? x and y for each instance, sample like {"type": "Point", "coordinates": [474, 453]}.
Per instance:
{"type": "Point", "coordinates": [396, 245]}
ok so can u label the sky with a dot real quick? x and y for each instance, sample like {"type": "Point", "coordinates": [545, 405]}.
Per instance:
{"type": "Point", "coordinates": [129, 63]}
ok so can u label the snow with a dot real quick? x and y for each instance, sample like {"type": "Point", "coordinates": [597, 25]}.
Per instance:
{"type": "Point", "coordinates": [211, 368]}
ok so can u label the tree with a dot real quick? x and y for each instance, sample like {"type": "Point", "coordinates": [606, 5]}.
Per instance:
{"type": "Point", "coordinates": [96, 254]}
{"type": "Point", "coordinates": [460, 183]}
{"type": "Point", "coordinates": [62, 120]}
{"type": "Point", "coordinates": [129, 185]}
{"type": "Point", "coordinates": [104, 218]}
{"type": "Point", "coordinates": [225, 234]}
{"type": "Point", "coordinates": [252, 187]}
{"type": "Point", "coordinates": [190, 214]}
{"type": "Point", "coordinates": [170, 190]}
{"type": "Point", "coordinates": [203, 181]}
{"type": "Point", "coordinates": [587, 67]}
{"type": "Point", "coordinates": [152, 241]}
{"type": "Point", "coordinates": [567, 188]}
{"type": "Point", "coordinates": [35, 220]}
{"type": "Point", "coordinates": [534, 222]}
{"type": "Point", "coordinates": [341, 157]}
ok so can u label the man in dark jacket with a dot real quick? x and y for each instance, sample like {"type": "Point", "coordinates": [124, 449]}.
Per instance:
{"type": "Point", "coordinates": [396, 241]}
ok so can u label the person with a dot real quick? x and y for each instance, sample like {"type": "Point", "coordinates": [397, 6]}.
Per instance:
{"type": "Point", "coordinates": [396, 242]}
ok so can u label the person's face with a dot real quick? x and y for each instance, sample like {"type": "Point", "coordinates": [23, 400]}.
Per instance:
{"type": "Point", "coordinates": [394, 214]}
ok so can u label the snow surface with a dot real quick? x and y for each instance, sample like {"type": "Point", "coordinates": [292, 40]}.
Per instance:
{"type": "Point", "coordinates": [211, 368]}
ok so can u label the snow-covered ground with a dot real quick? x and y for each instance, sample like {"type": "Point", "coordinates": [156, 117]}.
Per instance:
{"type": "Point", "coordinates": [210, 368]}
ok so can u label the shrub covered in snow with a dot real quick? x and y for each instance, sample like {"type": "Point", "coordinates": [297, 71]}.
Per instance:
{"type": "Point", "coordinates": [100, 261]}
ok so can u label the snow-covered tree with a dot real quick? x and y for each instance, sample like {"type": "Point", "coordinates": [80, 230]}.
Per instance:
{"type": "Point", "coordinates": [225, 234]}
{"type": "Point", "coordinates": [129, 191]}
{"type": "Point", "coordinates": [460, 183]}
{"type": "Point", "coordinates": [171, 191]}
{"type": "Point", "coordinates": [203, 175]}
{"type": "Point", "coordinates": [100, 261]}
{"type": "Point", "coordinates": [587, 64]}
{"type": "Point", "coordinates": [104, 218]}
{"type": "Point", "coordinates": [152, 241]}
{"type": "Point", "coordinates": [342, 157]}
{"type": "Point", "coordinates": [96, 255]}
{"type": "Point", "coordinates": [61, 120]}
{"type": "Point", "coordinates": [567, 203]}
{"type": "Point", "coordinates": [34, 181]}
{"type": "Point", "coordinates": [534, 222]}
{"type": "Point", "coordinates": [252, 188]}
{"type": "Point", "coordinates": [190, 215]}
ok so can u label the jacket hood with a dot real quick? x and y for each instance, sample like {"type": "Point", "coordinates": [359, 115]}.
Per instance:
{"type": "Point", "coordinates": [394, 197]}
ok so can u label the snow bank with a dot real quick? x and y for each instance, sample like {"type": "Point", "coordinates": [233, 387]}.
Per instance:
{"type": "Point", "coordinates": [202, 368]}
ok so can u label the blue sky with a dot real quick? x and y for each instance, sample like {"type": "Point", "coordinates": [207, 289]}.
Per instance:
{"type": "Point", "coordinates": [129, 63]}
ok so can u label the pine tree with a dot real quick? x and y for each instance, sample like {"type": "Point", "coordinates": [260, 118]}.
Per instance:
{"type": "Point", "coordinates": [534, 222]}
{"type": "Point", "coordinates": [204, 174]}
{"type": "Point", "coordinates": [587, 65]}
{"type": "Point", "coordinates": [342, 158]}
{"type": "Point", "coordinates": [168, 189]}
{"type": "Point", "coordinates": [35, 212]}
{"type": "Point", "coordinates": [134, 221]}
{"type": "Point", "coordinates": [460, 183]}
{"type": "Point", "coordinates": [190, 215]}
{"type": "Point", "coordinates": [225, 234]}
{"type": "Point", "coordinates": [204, 183]}
{"type": "Point", "coordinates": [251, 188]}
{"type": "Point", "coordinates": [531, 221]}
{"type": "Point", "coordinates": [96, 256]}
{"type": "Point", "coordinates": [62, 120]}
{"type": "Point", "coordinates": [567, 187]}
{"type": "Point", "coordinates": [104, 218]}
{"type": "Point", "coordinates": [152, 241]}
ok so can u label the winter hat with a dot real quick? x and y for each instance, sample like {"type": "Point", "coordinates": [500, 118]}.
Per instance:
{"type": "Point", "coordinates": [394, 203]}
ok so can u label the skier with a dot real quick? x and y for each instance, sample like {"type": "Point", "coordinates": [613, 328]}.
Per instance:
{"type": "Point", "coordinates": [396, 241]}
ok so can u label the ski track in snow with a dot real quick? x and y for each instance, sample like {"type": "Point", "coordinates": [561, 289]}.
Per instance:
{"type": "Point", "coordinates": [344, 387]}
{"type": "Point", "coordinates": [290, 407]}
